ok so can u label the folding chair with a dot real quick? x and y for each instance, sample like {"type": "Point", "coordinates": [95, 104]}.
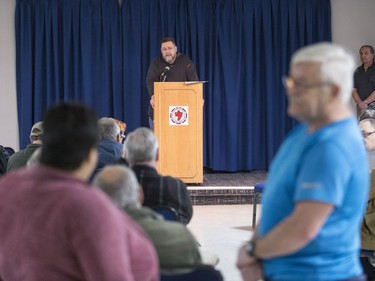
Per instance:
{"type": "Point", "coordinates": [201, 273]}
{"type": "Point", "coordinates": [168, 213]}
{"type": "Point", "coordinates": [258, 190]}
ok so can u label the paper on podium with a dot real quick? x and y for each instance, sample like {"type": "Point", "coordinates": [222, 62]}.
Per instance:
{"type": "Point", "coordinates": [194, 82]}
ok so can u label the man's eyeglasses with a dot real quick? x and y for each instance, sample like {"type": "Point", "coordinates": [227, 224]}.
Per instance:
{"type": "Point", "coordinates": [122, 136]}
{"type": "Point", "coordinates": [366, 134]}
{"type": "Point", "coordinates": [291, 83]}
{"type": "Point", "coordinates": [167, 49]}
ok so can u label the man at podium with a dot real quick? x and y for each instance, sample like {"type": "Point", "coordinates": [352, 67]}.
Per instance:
{"type": "Point", "coordinates": [170, 66]}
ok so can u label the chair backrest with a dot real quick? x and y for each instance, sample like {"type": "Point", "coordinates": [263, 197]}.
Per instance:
{"type": "Point", "coordinates": [259, 187]}
{"type": "Point", "coordinates": [168, 213]}
{"type": "Point", "coordinates": [9, 151]}
{"type": "Point", "coordinates": [3, 161]}
{"type": "Point", "coordinates": [201, 273]}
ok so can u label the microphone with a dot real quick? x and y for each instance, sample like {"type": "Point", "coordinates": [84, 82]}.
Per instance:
{"type": "Point", "coordinates": [163, 76]}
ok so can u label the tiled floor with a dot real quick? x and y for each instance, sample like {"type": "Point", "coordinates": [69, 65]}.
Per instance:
{"type": "Point", "coordinates": [222, 229]}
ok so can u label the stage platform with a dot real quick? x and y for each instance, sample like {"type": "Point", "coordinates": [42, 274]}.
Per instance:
{"type": "Point", "coordinates": [221, 188]}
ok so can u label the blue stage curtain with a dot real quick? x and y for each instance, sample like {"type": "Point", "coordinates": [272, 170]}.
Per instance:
{"type": "Point", "coordinates": [98, 52]}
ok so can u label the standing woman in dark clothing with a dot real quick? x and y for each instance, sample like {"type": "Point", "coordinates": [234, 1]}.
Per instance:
{"type": "Point", "coordinates": [364, 80]}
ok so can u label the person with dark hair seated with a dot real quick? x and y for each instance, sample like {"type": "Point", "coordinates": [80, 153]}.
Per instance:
{"type": "Point", "coordinates": [55, 226]}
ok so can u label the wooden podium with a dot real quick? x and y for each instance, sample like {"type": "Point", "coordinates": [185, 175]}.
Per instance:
{"type": "Point", "coordinates": [178, 126]}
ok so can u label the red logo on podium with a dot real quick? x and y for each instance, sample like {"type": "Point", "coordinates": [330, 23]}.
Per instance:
{"type": "Point", "coordinates": [178, 115]}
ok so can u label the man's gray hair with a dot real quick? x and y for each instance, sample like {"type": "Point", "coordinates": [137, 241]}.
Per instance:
{"type": "Point", "coordinates": [108, 129]}
{"type": "Point", "coordinates": [120, 184]}
{"type": "Point", "coordinates": [367, 114]}
{"type": "Point", "coordinates": [140, 146]}
{"type": "Point", "coordinates": [370, 120]}
{"type": "Point", "coordinates": [337, 65]}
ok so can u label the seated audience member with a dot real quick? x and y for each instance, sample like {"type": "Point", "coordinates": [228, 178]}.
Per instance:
{"type": "Point", "coordinates": [175, 245]}
{"type": "Point", "coordinates": [122, 126]}
{"type": "Point", "coordinates": [368, 233]}
{"type": "Point", "coordinates": [19, 159]}
{"type": "Point", "coordinates": [141, 152]}
{"type": "Point", "coordinates": [367, 114]}
{"type": "Point", "coordinates": [368, 131]}
{"type": "Point", "coordinates": [110, 142]}
{"type": "Point", "coordinates": [3, 161]}
{"type": "Point", "coordinates": [55, 226]}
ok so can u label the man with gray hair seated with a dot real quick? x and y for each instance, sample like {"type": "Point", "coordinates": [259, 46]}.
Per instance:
{"type": "Point", "coordinates": [141, 152]}
{"type": "Point", "coordinates": [110, 142]}
{"type": "Point", "coordinates": [174, 244]}
{"type": "Point", "coordinates": [368, 131]}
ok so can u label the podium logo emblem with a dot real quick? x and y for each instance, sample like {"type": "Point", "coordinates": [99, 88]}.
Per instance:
{"type": "Point", "coordinates": [178, 115]}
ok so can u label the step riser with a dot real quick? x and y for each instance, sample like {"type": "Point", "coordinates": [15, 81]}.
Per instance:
{"type": "Point", "coordinates": [222, 196]}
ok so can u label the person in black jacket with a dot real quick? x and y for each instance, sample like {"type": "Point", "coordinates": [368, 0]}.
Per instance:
{"type": "Point", "coordinates": [170, 66]}
{"type": "Point", "coordinates": [141, 152]}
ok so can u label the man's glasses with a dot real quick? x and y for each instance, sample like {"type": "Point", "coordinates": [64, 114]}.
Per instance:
{"type": "Point", "coordinates": [366, 134]}
{"type": "Point", "coordinates": [167, 49]}
{"type": "Point", "coordinates": [123, 136]}
{"type": "Point", "coordinates": [291, 83]}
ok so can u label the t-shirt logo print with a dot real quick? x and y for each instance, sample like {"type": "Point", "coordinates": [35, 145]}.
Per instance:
{"type": "Point", "coordinates": [178, 115]}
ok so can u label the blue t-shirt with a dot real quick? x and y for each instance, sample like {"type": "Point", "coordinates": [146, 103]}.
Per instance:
{"type": "Point", "coordinates": [329, 165]}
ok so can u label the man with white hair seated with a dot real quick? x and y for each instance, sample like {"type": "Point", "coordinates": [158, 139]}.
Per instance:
{"type": "Point", "coordinates": [368, 131]}
{"type": "Point", "coordinates": [141, 151]}
{"type": "Point", "coordinates": [110, 143]}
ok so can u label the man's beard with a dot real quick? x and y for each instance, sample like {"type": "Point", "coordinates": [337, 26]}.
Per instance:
{"type": "Point", "coordinates": [170, 59]}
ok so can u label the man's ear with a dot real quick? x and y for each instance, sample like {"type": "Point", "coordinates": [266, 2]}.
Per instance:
{"type": "Point", "coordinates": [157, 155]}
{"type": "Point", "coordinates": [335, 91]}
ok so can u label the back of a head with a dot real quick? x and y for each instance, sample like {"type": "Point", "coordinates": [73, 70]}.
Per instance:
{"type": "Point", "coordinates": [108, 128]}
{"type": "Point", "coordinates": [70, 132]}
{"type": "Point", "coordinates": [140, 146]}
{"type": "Point", "coordinates": [337, 65]}
{"type": "Point", "coordinates": [36, 132]}
{"type": "Point", "coordinates": [120, 184]}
